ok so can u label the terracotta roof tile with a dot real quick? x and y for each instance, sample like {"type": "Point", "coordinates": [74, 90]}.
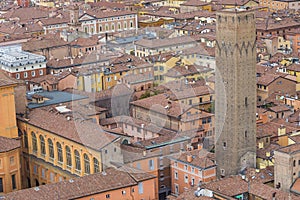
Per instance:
{"type": "Point", "coordinates": [290, 149]}
{"type": "Point", "coordinates": [156, 43]}
{"type": "Point", "coordinates": [266, 192]}
{"type": "Point", "coordinates": [25, 14]}
{"type": "Point", "coordinates": [294, 67]}
{"type": "Point", "coordinates": [229, 186]}
{"type": "Point", "coordinates": [75, 128]}
{"type": "Point", "coordinates": [190, 92]}
{"type": "Point", "coordinates": [161, 101]}
{"type": "Point", "coordinates": [5, 80]}
{"type": "Point", "coordinates": [187, 70]}
{"type": "Point", "coordinates": [267, 79]}
{"type": "Point", "coordinates": [279, 108]}
{"type": "Point", "coordinates": [200, 158]}
{"type": "Point", "coordinates": [7, 144]}
{"type": "Point", "coordinates": [83, 186]}
{"type": "Point", "coordinates": [39, 44]}
{"type": "Point", "coordinates": [52, 78]}
{"type": "Point", "coordinates": [261, 153]}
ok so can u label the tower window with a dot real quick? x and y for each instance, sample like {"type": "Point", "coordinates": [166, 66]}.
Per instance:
{"type": "Point", "coordinates": [224, 145]}
{"type": "Point", "coordinates": [294, 163]}
{"type": "Point", "coordinates": [222, 172]}
{"type": "Point", "coordinates": [246, 101]}
{"type": "Point", "coordinates": [246, 134]}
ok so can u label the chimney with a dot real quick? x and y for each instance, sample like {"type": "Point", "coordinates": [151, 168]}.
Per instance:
{"type": "Point", "coordinates": [142, 130]}
{"type": "Point", "coordinates": [72, 61]}
{"type": "Point", "coordinates": [281, 130]}
{"type": "Point", "coordinates": [189, 158]}
{"type": "Point", "coordinates": [260, 145]}
{"type": "Point", "coordinates": [200, 146]}
{"type": "Point", "coordinates": [268, 154]}
{"type": "Point", "coordinates": [169, 104]}
{"type": "Point", "coordinates": [144, 153]}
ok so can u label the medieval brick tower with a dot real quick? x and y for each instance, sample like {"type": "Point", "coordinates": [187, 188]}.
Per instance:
{"type": "Point", "coordinates": [74, 18]}
{"type": "Point", "coordinates": [235, 91]}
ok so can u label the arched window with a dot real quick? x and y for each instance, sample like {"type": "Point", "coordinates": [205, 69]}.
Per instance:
{"type": "Point", "coordinates": [51, 150]}
{"type": "Point", "coordinates": [59, 152]}
{"type": "Point", "coordinates": [68, 156]}
{"type": "Point", "coordinates": [100, 28]}
{"type": "Point", "coordinates": [86, 29]}
{"type": "Point", "coordinates": [113, 27]}
{"type": "Point", "coordinates": [25, 139]}
{"type": "Point", "coordinates": [106, 27]}
{"type": "Point", "coordinates": [77, 160]}
{"type": "Point", "coordinates": [42, 143]}
{"type": "Point", "coordinates": [34, 142]}
{"type": "Point", "coordinates": [96, 165]}
{"type": "Point", "coordinates": [87, 168]}
{"type": "Point", "coordinates": [131, 24]}
{"type": "Point", "coordinates": [119, 26]}
{"type": "Point", "coordinates": [125, 25]}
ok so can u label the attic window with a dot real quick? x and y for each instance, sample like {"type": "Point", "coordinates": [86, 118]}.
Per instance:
{"type": "Point", "coordinates": [224, 145]}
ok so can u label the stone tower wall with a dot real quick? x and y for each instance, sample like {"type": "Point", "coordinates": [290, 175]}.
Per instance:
{"type": "Point", "coordinates": [235, 91]}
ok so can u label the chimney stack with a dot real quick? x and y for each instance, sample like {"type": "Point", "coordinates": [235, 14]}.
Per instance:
{"type": "Point", "coordinates": [189, 158]}
{"type": "Point", "coordinates": [200, 146]}
{"type": "Point", "coordinates": [281, 130]}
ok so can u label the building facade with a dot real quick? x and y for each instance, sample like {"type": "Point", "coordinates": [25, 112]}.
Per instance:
{"type": "Point", "coordinates": [20, 64]}
{"type": "Point", "coordinates": [287, 166]}
{"type": "Point", "coordinates": [63, 151]}
{"type": "Point", "coordinates": [10, 167]}
{"type": "Point", "coordinates": [235, 91]}
{"type": "Point", "coordinates": [191, 169]}
{"type": "Point", "coordinates": [120, 183]}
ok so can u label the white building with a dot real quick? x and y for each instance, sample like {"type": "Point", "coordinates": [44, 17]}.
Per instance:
{"type": "Point", "coordinates": [21, 64]}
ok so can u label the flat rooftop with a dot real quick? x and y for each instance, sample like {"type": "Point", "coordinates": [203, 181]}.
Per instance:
{"type": "Point", "coordinates": [54, 97]}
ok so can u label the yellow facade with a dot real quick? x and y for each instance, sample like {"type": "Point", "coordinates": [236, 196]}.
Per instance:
{"type": "Point", "coordinates": [196, 76]}
{"type": "Point", "coordinates": [161, 67]}
{"type": "Point", "coordinates": [95, 82]}
{"type": "Point", "coordinates": [10, 175]}
{"type": "Point", "coordinates": [203, 102]}
{"type": "Point", "coordinates": [207, 7]}
{"type": "Point", "coordinates": [297, 74]}
{"type": "Point", "coordinates": [10, 169]}
{"type": "Point", "coordinates": [248, 4]}
{"type": "Point", "coordinates": [8, 124]}
{"type": "Point", "coordinates": [47, 4]}
{"type": "Point", "coordinates": [175, 3]}
{"type": "Point", "coordinates": [283, 43]}
{"type": "Point", "coordinates": [51, 158]}
{"type": "Point", "coordinates": [111, 79]}
{"type": "Point", "coordinates": [262, 163]}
